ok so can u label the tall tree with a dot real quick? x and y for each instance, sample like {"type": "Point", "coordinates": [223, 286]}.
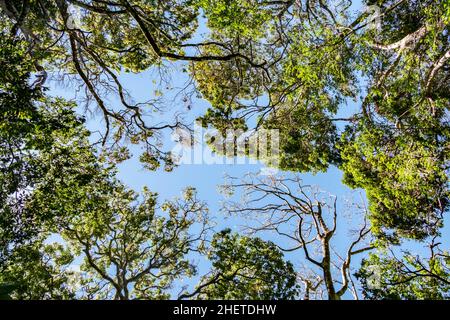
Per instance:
{"type": "Point", "coordinates": [307, 219]}
{"type": "Point", "coordinates": [399, 151]}
{"type": "Point", "coordinates": [132, 248]}
{"type": "Point", "coordinates": [246, 268]}
{"type": "Point", "coordinates": [394, 64]}
{"type": "Point", "coordinates": [410, 276]}
{"type": "Point", "coordinates": [41, 139]}
{"type": "Point", "coordinates": [40, 271]}
{"type": "Point", "coordinates": [291, 66]}
{"type": "Point", "coordinates": [53, 181]}
{"type": "Point", "coordinates": [92, 41]}
{"type": "Point", "coordinates": [296, 75]}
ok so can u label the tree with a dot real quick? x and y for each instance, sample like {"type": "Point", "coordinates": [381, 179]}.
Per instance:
{"type": "Point", "coordinates": [296, 75]}
{"type": "Point", "coordinates": [246, 268]}
{"type": "Point", "coordinates": [395, 146]}
{"type": "Point", "coordinates": [132, 249]}
{"type": "Point", "coordinates": [92, 41]}
{"type": "Point", "coordinates": [308, 220]}
{"type": "Point", "coordinates": [54, 182]}
{"type": "Point", "coordinates": [41, 139]}
{"type": "Point", "coordinates": [39, 271]}
{"type": "Point", "coordinates": [386, 276]}
{"type": "Point", "coordinates": [291, 66]}
{"type": "Point", "coordinates": [398, 152]}
{"type": "Point", "coordinates": [405, 179]}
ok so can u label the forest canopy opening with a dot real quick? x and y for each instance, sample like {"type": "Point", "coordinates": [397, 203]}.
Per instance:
{"type": "Point", "coordinates": [361, 86]}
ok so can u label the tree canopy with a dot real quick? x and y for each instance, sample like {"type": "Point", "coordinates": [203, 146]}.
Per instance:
{"type": "Point", "coordinates": [365, 90]}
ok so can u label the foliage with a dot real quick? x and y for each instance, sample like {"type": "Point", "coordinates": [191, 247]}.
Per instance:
{"type": "Point", "coordinates": [38, 272]}
{"type": "Point", "coordinates": [248, 268]}
{"type": "Point", "coordinates": [404, 177]}
{"type": "Point", "coordinates": [132, 251]}
{"type": "Point", "coordinates": [40, 140]}
{"type": "Point", "coordinates": [303, 68]}
{"type": "Point", "coordinates": [411, 277]}
{"type": "Point", "coordinates": [243, 18]}
{"type": "Point", "coordinates": [315, 58]}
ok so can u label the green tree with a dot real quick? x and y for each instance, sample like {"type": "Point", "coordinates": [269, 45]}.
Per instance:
{"type": "Point", "coordinates": [52, 176]}
{"type": "Point", "coordinates": [92, 41]}
{"type": "Point", "coordinates": [41, 139]}
{"type": "Point", "coordinates": [131, 248]}
{"type": "Point", "coordinates": [246, 268]}
{"type": "Point", "coordinates": [398, 152]}
{"type": "Point", "coordinates": [287, 65]}
{"type": "Point", "coordinates": [39, 271]}
{"type": "Point", "coordinates": [411, 277]}
{"type": "Point", "coordinates": [404, 177]}
{"type": "Point", "coordinates": [319, 58]}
